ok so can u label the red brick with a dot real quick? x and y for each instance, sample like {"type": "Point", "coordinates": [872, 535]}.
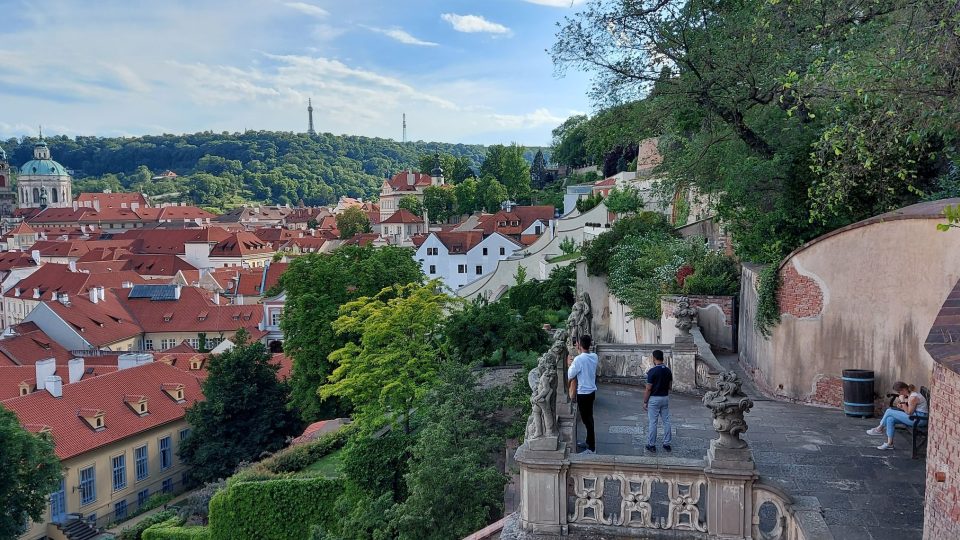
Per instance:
{"type": "Point", "coordinates": [799, 295]}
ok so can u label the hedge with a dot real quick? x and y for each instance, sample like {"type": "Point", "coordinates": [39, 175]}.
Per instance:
{"type": "Point", "coordinates": [135, 532]}
{"type": "Point", "coordinates": [301, 456]}
{"type": "Point", "coordinates": [171, 530]}
{"type": "Point", "coordinates": [274, 509]}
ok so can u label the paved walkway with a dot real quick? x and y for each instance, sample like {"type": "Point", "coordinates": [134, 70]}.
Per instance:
{"type": "Point", "coordinates": [865, 493]}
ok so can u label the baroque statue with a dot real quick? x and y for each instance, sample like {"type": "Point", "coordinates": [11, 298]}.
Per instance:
{"type": "Point", "coordinates": [543, 384]}
{"type": "Point", "coordinates": [580, 321]}
{"type": "Point", "coordinates": [685, 315]}
{"type": "Point", "coordinates": [728, 404]}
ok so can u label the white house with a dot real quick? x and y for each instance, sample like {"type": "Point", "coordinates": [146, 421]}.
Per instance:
{"type": "Point", "coordinates": [457, 258]}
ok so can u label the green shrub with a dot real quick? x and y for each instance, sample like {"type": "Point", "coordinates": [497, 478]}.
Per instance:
{"type": "Point", "coordinates": [768, 305]}
{"type": "Point", "coordinates": [136, 532]}
{"type": "Point", "coordinates": [273, 510]}
{"type": "Point", "coordinates": [301, 456]}
{"type": "Point", "coordinates": [599, 251]}
{"type": "Point", "coordinates": [171, 529]}
{"type": "Point", "coordinates": [715, 274]}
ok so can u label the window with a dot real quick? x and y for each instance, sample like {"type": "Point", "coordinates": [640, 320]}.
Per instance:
{"type": "Point", "coordinates": [433, 269]}
{"type": "Point", "coordinates": [88, 486]}
{"type": "Point", "coordinates": [184, 433]}
{"type": "Point", "coordinates": [119, 472]}
{"type": "Point", "coordinates": [140, 458]}
{"type": "Point", "coordinates": [461, 269]}
{"type": "Point", "coordinates": [537, 230]}
{"type": "Point", "coordinates": [142, 497]}
{"type": "Point", "coordinates": [484, 252]}
{"type": "Point", "coordinates": [432, 251]}
{"type": "Point", "coordinates": [120, 510]}
{"type": "Point", "coordinates": [275, 318]}
{"type": "Point", "coordinates": [503, 251]}
{"type": "Point", "coordinates": [479, 269]}
{"type": "Point", "coordinates": [166, 454]}
{"type": "Point", "coordinates": [194, 342]}
{"type": "Point", "coordinates": [167, 344]}
{"type": "Point", "coordinates": [168, 485]}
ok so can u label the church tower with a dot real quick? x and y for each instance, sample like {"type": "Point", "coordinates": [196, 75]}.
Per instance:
{"type": "Point", "coordinates": [8, 200]}
{"type": "Point", "coordinates": [436, 175]}
{"type": "Point", "coordinates": [310, 130]}
{"type": "Point", "coordinates": [43, 182]}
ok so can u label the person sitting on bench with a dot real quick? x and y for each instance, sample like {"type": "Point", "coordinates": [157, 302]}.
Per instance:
{"type": "Point", "coordinates": [909, 403]}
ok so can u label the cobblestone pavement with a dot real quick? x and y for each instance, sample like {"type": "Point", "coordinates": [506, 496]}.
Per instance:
{"type": "Point", "coordinates": [865, 493]}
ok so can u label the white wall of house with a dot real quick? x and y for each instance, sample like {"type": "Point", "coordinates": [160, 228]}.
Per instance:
{"type": "Point", "coordinates": [461, 268]}
{"type": "Point", "coordinates": [58, 329]}
{"type": "Point", "coordinates": [197, 254]}
{"type": "Point", "coordinates": [538, 227]}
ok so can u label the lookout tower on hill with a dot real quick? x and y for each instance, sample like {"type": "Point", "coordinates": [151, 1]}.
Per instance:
{"type": "Point", "coordinates": [310, 130]}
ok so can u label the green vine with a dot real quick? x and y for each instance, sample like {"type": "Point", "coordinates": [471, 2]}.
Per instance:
{"type": "Point", "coordinates": [768, 308]}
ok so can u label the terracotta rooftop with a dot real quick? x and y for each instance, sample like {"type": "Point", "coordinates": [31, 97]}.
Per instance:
{"type": "Point", "coordinates": [108, 200]}
{"type": "Point", "coordinates": [403, 216]}
{"type": "Point", "coordinates": [240, 244]}
{"type": "Point", "coordinates": [516, 220]}
{"type": "Point", "coordinates": [72, 436]}
{"type": "Point", "coordinates": [186, 314]}
{"type": "Point", "coordinates": [28, 348]}
{"type": "Point", "coordinates": [409, 181]}
{"type": "Point", "coordinates": [101, 324]}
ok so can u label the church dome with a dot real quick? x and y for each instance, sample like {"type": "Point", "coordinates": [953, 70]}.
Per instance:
{"type": "Point", "coordinates": [41, 164]}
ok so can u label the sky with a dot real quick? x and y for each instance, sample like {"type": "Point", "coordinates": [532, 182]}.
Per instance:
{"type": "Point", "coordinates": [463, 71]}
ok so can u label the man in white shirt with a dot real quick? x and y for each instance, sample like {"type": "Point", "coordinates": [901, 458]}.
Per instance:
{"type": "Point", "coordinates": [582, 374]}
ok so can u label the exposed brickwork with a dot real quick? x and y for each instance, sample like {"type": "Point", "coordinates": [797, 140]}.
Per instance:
{"type": "Point", "coordinates": [828, 391]}
{"type": "Point", "coordinates": [799, 295]}
{"type": "Point", "coordinates": [942, 512]}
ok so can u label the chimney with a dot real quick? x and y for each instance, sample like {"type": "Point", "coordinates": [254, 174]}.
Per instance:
{"type": "Point", "coordinates": [75, 369]}
{"type": "Point", "coordinates": [126, 361]}
{"type": "Point", "coordinates": [96, 205]}
{"type": "Point", "coordinates": [53, 295]}
{"type": "Point", "coordinates": [44, 369]}
{"type": "Point", "coordinates": [176, 292]}
{"type": "Point", "coordinates": [123, 205]}
{"type": "Point", "coordinates": [94, 297]}
{"type": "Point", "coordinates": [35, 254]}
{"type": "Point", "coordinates": [411, 179]}
{"type": "Point", "coordinates": [72, 265]}
{"type": "Point", "coordinates": [135, 206]}
{"type": "Point", "coordinates": [101, 293]}
{"type": "Point", "coordinates": [144, 358]}
{"type": "Point", "coordinates": [36, 292]}
{"type": "Point", "coordinates": [216, 297]}
{"type": "Point", "coordinates": [75, 205]}
{"type": "Point", "coordinates": [65, 299]}
{"type": "Point", "coordinates": [127, 285]}
{"type": "Point", "coordinates": [17, 292]}
{"type": "Point", "coordinates": [55, 386]}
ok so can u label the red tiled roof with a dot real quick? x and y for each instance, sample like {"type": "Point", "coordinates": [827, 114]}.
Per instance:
{"type": "Point", "coordinates": [525, 215]}
{"type": "Point", "coordinates": [22, 228]}
{"type": "Point", "coordinates": [239, 244]}
{"type": "Point", "coordinates": [12, 376]}
{"type": "Point", "coordinates": [157, 265]}
{"type": "Point", "coordinates": [409, 181]}
{"type": "Point", "coordinates": [605, 182]}
{"type": "Point", "coordinates": [59, 215]}
{"type": "Point", "coordinates": [28, 348]}
{"type": "Point", "coordinates": [458, 243]}
{"type": "Point", "coordinates": [72, 436]}
{"type": "Point", "coordinates": [303, 215]}
{"type": "Point", "coordinates": [308, 243]}
{"type": "Point", "coordinates": [52, 248]}
{"type": "Point", "coordinates": [403, 216]}
{"type": "Point", "coordinates": [109, 214]}
{"type": "Point", "coordinates": [273, 273]}
{"type": "Point", "coordinates": [100, 254]}
{"type": "Point", "coordinates": [276, 234]}
{"type": "Point", "coordinates": [15, 259]}
{"type": "Point", "coordinates": [180, 213]}
{"type": "Point", "coordinates": [183, 315]}
{"type": "Point", "coordinates": [101, 324]}
{"type": "Point", "coordinates": [110, 200]}
{"type": "Point", "coordinates": [361, 239]}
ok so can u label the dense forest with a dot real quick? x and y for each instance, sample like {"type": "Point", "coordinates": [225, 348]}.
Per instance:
{"type": "Point", "coordinates": [220, 170]}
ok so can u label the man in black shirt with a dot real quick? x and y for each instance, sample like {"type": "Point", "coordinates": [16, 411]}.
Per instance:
{"type": "Point", "coordinates": [657, 403]}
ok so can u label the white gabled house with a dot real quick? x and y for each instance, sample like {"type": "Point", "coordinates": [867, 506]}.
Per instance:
{"type": "Point", "coordinates": [457, 258]}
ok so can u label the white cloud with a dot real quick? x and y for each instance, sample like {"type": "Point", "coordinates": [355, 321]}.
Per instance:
{"type": "Point", "coordinates": [556, 3]}
{"type": "Point", "coordinates": [398, 34]}
{"type": "Point", "coordinates": [308, 9]}
{"type": "Point", "coordinates": [539, 117]}
{"type": "Point", "coordinates": [472, 24]}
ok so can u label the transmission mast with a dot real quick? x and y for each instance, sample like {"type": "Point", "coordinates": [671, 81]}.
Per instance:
{"type": "Point", "coordinates": [404, 127]}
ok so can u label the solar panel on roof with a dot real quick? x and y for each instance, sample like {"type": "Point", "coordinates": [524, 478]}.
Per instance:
{"type": "Point", "coordinates": [154, 292]}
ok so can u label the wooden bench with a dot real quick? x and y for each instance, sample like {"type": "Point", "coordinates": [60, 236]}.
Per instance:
{"type": "Point", "coordinates": [918, 431]}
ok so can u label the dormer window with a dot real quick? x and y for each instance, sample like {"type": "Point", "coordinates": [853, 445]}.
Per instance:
{"type": "Point", "coordinates": [137, 404]}
{"type": "Point", "coordinates": [167, 317]}
{"type": "Point", "coordinates": [196, 363]}
{"type": "Point", "coordinates": [202, 316]}
{"type": "Point", "coordinates": [27, 387]}
{"type": "Point", "coordinates": [93, 418]}
{"type": "Point", "coordinates": [174, 390]}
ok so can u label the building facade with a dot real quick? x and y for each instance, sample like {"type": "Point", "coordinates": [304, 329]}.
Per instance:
{"type": "Point", "coordinates": [43, 182]}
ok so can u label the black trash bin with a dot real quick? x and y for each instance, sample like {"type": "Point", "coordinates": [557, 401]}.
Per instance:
{"type": "Point", "coordinates": [858, 392]}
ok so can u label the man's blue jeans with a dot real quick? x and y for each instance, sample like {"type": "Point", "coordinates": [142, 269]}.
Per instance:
{"type": "Point", "coordinates": [658, 407]}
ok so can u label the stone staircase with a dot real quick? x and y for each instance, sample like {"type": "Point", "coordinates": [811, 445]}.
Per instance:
{"type": "Point", "coordinates": [76, 529]}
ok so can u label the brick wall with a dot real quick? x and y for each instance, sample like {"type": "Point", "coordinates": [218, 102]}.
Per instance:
{"type": "Point", "coordinates": [828, 391]}
{"type": "Point", "coordinates": [799, 295]}
{"type": "Point", "coordinates": [942, 512]}
{"type": "Point", "coordinates": [725, 303]}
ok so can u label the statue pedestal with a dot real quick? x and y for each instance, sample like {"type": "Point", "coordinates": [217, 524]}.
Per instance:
{"type": "Point", "coordinates": [683, 364]}
{"type": "Point", "coordinates": [543, 489]}
{"type": "Point", "coordinates": [549, 444]}
{"type": "Point", "coordinates": [730, 473]}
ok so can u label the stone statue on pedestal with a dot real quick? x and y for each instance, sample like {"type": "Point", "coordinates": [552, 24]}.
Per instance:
{"type": "Point", "coordinates": [685, 315]}
{"type": "Point", "coordinates": [580, 321]}
{"type": "Point", "coordinates": [728, 404]}
{"type": "Point", "coordinates": [542, 422]}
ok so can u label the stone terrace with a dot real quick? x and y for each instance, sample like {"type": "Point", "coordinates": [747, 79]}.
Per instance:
{"type": "Point", "coordinates": [865, 493]}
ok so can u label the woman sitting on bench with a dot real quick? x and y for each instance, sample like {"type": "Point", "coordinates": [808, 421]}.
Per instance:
{"type": "Point", "coordinates": [909, 403]}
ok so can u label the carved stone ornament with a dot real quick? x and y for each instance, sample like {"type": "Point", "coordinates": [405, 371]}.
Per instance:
{"type": "Point", "coordinates": [580, 321]}
{"type": "Point", "coordinates": [728, 404]}
{"type": "Point", "coordinates": [686, 316]}
{"type": "Point", "coordinates": [543, 415]}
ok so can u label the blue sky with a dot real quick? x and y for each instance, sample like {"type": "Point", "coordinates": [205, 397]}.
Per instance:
{"type": "Point", "coordinates": [462, 71]}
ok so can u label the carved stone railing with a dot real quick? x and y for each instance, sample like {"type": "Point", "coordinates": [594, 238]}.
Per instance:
{"type": "Point", "coordinates": [606, 495]}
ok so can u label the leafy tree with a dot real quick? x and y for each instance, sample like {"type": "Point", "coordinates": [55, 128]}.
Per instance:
{"type": "Point", "coordinates": [29, 472]}
{"type": "Point", "coordinates": [952, 213]}
{"type": "Point", "coordinates": [715, 274]}
{"type": "Point", "coordinates": [597, 252]}
{"type": "Point", "coordinates": [440, 202]}
{"type": "Point", "coordinates": [244, 413]}
{"type": "Point", "coordinates": [316, 286]}
{"type": "Point", "coordinates": [645, 267]}
{"type": "Point", "coordinates": [589, 202]}
{"type": "Point", "coordinates": [569, 141]}
{"type": "Point", "coordinates": [411, 204]}
{"type": "Point", "coordinates": [394, 357]}
{"type": "Point", "coordinates": [622, 201]}
{"type": "Point", "coordinates": [515, 173]}
{"type": "Point", "coordinates": [312, 223]}
{"type": "Point", "coordinates": [474, 333]}
{"type": "Point", "coordinates": [352, 221]}
{"type": "Point", "coordinates": [462, 169]}
{"type": "Point", "coordinates": [454, 489]}
{"type": "Point", "coordinates": [466, 195]}
{"type": "Point", "coordinates": [491, 193]}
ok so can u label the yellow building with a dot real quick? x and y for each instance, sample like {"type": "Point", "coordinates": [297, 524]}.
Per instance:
{"type": "Point", "coordinates": [117, 436]}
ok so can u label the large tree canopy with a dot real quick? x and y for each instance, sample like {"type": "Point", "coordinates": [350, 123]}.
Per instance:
{"type": "Point", "coordinates": [29, 472]}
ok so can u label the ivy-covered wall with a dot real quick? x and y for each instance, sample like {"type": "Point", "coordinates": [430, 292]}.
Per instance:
{"type": "Point", "coordinates": [273, 510]}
